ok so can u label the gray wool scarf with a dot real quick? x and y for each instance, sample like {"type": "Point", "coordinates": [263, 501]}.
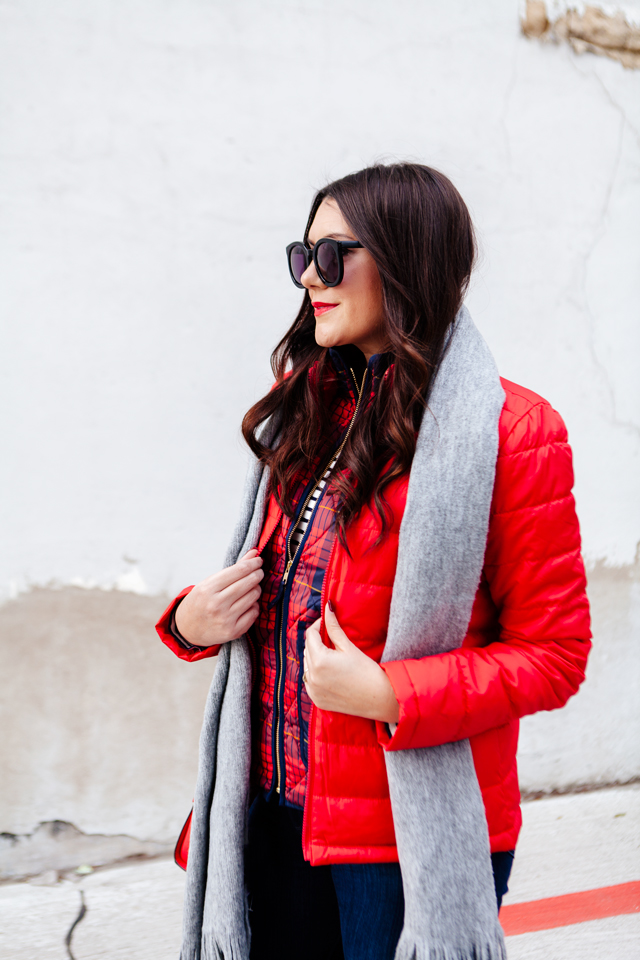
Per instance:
{"type": "Point", "coordinates": [438, 814]}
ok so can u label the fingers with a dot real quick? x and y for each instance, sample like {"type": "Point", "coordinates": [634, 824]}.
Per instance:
{"type": "Point", "coordinates": [224, 605]}
{"type": "Point", "coordinates": [319, 657]}
{"type": "Point", "coordinates": [313, 638]}
{"type": "Point", "coordinates": [315, 626]}
{"type": "Point", "coordinates": [245, 601]}
{"type": "Point", "coordinates": [336, 634]}
{"type": "Point", "coordinates": [246, 566]}
{"type": "Point", "coordinates": [247, 619]}
{"type": "Point", "coordinates": [314, 653]}
{"type": "Point", "coordinates": [239, 588]}
{"type": "Point", "coordinates": [241, 597]}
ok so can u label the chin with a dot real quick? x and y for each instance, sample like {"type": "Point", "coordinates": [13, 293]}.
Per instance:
{"type": "Point", "coordinates": [326, 340]}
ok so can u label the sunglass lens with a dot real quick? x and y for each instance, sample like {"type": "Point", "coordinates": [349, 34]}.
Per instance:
{"type": "Point", "coordinates": [298, 261]}
{"type": "Point", "coordinates": [328, 265]}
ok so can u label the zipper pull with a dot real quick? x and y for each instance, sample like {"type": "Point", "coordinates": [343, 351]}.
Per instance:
{"type": "Point", "coordinates": [286, 572]}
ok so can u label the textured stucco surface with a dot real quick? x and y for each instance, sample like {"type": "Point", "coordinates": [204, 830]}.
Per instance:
{"type": "Point", "coordinates": [100, 721]}
{"type": "Point", "coordinates": [155, 161]}
{"type": "Point", "coordinates": [596, 737]}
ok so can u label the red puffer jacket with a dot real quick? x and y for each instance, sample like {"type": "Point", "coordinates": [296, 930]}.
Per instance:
{"type": "Point", "coordinates": [525, 650]}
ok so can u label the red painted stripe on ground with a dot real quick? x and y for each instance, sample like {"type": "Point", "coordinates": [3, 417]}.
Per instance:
{"type": "Point", "coordinates": [571, 908]}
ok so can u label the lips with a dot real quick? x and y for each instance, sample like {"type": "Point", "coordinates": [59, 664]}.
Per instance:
{"type": "Point", "coordinates": [320, 308]}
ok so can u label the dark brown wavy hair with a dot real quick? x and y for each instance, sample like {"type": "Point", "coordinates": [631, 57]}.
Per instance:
{"type": "Point", "coordinates": [417, 228]}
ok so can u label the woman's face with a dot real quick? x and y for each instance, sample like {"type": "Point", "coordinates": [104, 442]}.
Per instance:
{"type": "Point", "coordinates": [352, 312]}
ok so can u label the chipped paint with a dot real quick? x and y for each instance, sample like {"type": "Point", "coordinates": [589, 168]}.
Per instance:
{"type": "Point", "coordinates": [604, 30]}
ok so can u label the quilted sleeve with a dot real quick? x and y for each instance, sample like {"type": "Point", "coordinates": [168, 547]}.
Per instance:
{"type": "Point", "coordinates": [169, 636]}
{"type": "Point", "coordinates": [536, 578]}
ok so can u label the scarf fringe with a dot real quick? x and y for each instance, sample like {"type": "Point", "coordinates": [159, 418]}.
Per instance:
{"type": "Point", "coordinates": [407, 950]}
{"type": "Point", "coordinates": [213, 948]}
{"type": "Point", "coordinates": [411, 949]}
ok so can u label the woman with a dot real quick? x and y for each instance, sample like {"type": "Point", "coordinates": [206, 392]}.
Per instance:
{"type": "Point", "coordinates": [405, 581]}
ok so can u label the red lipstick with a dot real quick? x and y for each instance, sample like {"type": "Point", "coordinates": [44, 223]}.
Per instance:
{"type": "Point", "coordinates": [320, 308]}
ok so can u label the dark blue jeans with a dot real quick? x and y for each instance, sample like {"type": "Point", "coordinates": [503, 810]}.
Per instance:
{"type": "Point", "coordinates": [348, 911]}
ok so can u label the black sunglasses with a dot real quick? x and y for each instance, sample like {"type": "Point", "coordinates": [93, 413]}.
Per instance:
{"type": "Point", "coordinates": [327, 257]}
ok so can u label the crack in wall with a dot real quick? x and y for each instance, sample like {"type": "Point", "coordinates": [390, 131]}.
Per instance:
{"type": "Point", "coordinates": [56, 846]}
{"type": "Point", "coordinates": [593, 30]}
{"type": "Point", "coordinates": [599, 233]}
{"type": "Point", "coordinates": [616, 106]}
{"type": "Point", "coordinates": [589, 31]}
{"type": "Point", "coordinates": [506, 101]}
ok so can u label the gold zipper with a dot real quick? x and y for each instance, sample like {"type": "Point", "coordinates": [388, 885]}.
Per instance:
{"type": "Point", "coordinates": [335, 457]}
{"type": "Point", "coordinates": [290, 561]}
{"type": "Point", "coordinates": [290, 558]}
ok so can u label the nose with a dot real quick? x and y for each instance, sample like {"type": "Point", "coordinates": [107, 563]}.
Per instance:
{"type": "Point", "coordinates": [310, 277]}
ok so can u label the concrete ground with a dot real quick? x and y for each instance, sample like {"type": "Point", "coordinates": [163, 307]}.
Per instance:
{"type": "Point", "coordinates": [568, 845]}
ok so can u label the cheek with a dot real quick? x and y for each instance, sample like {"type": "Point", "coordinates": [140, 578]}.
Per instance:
{"type": "Point", "coordinates": [363, 309]}
{"type": "Point", "coordinates": [370, 297]}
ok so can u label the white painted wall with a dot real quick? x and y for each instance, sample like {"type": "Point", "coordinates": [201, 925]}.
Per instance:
{"type": "Point", "coordinates": [157, 157]}
{"type": "Point", "coordinates": [156, 160]}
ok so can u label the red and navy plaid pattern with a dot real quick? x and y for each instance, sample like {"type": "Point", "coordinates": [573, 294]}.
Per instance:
{"type": "Point", "coordinates": [281, 734]}
{"type": "Point", "coordinates": [301, 608]}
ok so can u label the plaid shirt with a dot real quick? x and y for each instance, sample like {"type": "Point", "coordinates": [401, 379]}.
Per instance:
{"type": "Point", "coordinates": [281, 705]}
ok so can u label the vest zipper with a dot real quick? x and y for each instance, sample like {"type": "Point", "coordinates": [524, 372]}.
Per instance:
{"type": "Point", "coordinates": [282, 630]}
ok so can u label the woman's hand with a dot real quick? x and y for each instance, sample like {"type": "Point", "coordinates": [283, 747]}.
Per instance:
{"type": "Point", "coordinates": [222, 607]}
{"type": "Point", "coordinates": [346, 679]}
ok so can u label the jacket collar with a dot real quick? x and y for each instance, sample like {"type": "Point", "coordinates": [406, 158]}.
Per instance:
{"type": "Point", "coordinates": [351, 365]}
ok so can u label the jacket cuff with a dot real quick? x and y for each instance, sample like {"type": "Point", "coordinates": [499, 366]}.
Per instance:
{"type": "Point", "coordinates": [171, 637]}
{"type": "Point", "coordinates": [399, 738]}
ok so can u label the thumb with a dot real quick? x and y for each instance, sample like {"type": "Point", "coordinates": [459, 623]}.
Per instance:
{"type": "Point", "coordinates": [312, 634]}
{"type": "Point", "coordinates": [336, 634]}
